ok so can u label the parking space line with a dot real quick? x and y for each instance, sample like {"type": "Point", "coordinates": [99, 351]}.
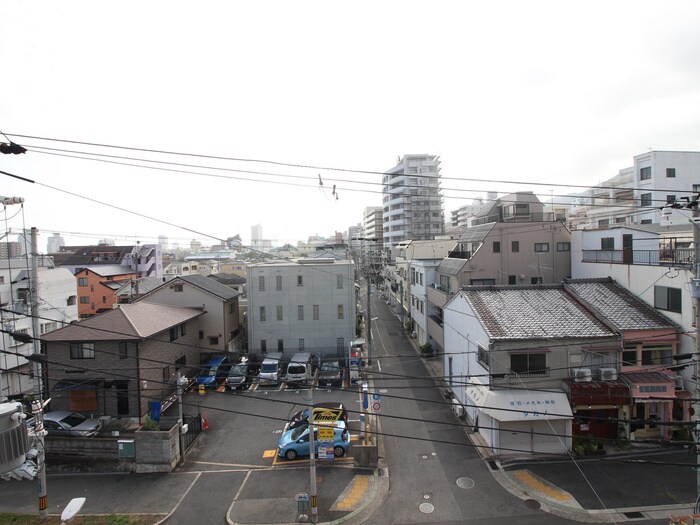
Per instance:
{"type": "Point", "coordinates": [269, 453]}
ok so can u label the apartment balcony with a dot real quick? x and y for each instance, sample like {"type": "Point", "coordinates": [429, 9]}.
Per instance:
{"type": "Point", "coordinates": [437, 297]}
{"type": "Point", "coordinates": [680, 257]}
{"type": "Point", "coordinates": [460, 255]}
{"type": "Point", "coordinates": [435, 330]}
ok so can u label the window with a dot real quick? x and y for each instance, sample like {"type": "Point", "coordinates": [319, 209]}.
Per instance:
{"type": "Point", "coordinates": [657, 354]}
{"type": "Point", "coordinates": [82, 281]}
{"type": "Point", "coordinates": [341, 311]}
{"type": "Point", "coordinates": [231, 308]}
{"type": "Point", "coordinates": [183, 329]}
{"type": "Point", "coordinates": [104, 299]}
{"type": "Point", "coordinates": [607, 243]}
{"type": "Point", "coordinates": [529, 364]}
{"type": "Point", "coordinates": [339, 282]}
{"type": "Point", "coordinates": [645, 173]}
{"type": "Point", "coordinates": [645, 199]}
{"type": "Point", "coordinates": [301, 344]}
{"type": "Point", "coordinates": [261, 283]}
{"type": "Point", "coordinates": [602, 223]}
{"type": "Point", "coordinates": [263, 346]}
{"type": "Point", "coordinates": [173, 333]}
{"type": "Point", "coordinates": [300, 280]}
{"type": "Point", "coordinates": [670, 173]}
{"type": "Point", "coordinates": [666, 298]}
{"type": "Point", "coordinates": [262, 313]}
{"type": "Point", "coordinates": [82, 351]}
{"type": "Point", "coordinates": [482, 282]}
{"type": "Point", "coordinates": [213, 340]}
{"type": "Point", "coordinates": [280, 345]}
{"type": "Point", "coordinates": [563, 246]}
{"type": "Point", "coordinates": [84, 299]}
{"type": "Point", "coordinates": [670, 199]}
{"type": "Point", "coordinates": [340, 344]}
{"type": "Point", "coordinates": [279, 312]}
{"type": "Point", "coordinates": [629, 355]}
{"type": "Point", "coordinates": [123, 350]}
{"type": "Point", "coordinates": [201, 334]}
{"type": "Point", "coordinates": [536, 280]}
{"type": "Point", "coordinates": [645, 221]}
{"type": "Point", "coordinates": [541, 247]}
{"type": "Point", "coordinates": [620, 220]}
{"type": "Point", "coordinates": [278, 283]}
{"type": "Point", "coordinates": [515, 246]}
{"type": "Point", "coordinates": [496, 247]}
{"type": "Point", "coordinates": [512, 279]}
{"type": "Point", "coordinates": [177, 288]}
{"type": "Point", "coordinates": [180, 362]}
{"type": "Point", "coordinates": [300, 312]}
{"type": "Point", "coordinates": [315, 312]}
{"type": "Point", "coordinates": [166, 373]}
{"type": "Point", "coordinates": [484, 357]}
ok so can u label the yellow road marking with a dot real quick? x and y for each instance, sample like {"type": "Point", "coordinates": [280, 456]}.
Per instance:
{"type": "Point", "coordinates": [269, 453]}
{"type": "Point", "coordinates": [531, 481]}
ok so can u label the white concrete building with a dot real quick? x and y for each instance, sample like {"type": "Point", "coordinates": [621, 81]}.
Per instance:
{"type": "Point", "coordinates": [302, 305]}
{"type": "Point", "coordinates": [57, 306]}
{"type": "Point", "coordinates": [412, 205]}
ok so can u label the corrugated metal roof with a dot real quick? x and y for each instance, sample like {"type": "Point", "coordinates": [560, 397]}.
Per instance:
{"type": "Point", "coordinates": [130, 321]}
{"type": "Point", "coordinates": [532, 312]}
{"type": "Point", "coordinates": [616, 304]}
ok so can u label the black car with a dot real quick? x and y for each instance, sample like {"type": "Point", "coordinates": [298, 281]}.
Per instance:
{"type": "Point", "coordinates": [331, 373]}
{"type": "Point", "coordinates": [243, 373]}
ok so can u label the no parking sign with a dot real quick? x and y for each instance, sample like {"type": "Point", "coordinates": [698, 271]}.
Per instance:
{"type": "Point", "coordinates": [376, 405]}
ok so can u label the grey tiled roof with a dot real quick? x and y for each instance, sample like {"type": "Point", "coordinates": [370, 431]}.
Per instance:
{"type": "Point", "coordinates": [620, 307]}
{"type": "Point", "coordinates": [130, 321]}
{"type": "Point", "coordinates": [210, 285]}
{"type": "Point", "coordinates": [532, 312]}
{"type": "Point", "coordinates": [450, 266]}
{"type": "Point", "coordinates": [106, 270]}
{"type": "Point", "coordinates": [477, 233]}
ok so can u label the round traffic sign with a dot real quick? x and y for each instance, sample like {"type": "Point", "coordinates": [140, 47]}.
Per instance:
{"type": "Point", "coordinates": [376, 406]}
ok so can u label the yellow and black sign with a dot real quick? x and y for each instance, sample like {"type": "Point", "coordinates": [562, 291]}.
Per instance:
{"type": "Point", "coordinates": [325, 433]}
{"type": "Point", "coordinates": [325, 415]}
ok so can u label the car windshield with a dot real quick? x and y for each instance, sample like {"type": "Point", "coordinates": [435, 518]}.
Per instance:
{"type": "Point", "coordinates": [298, 431]}
{"type": "Point", "coordinates": [296, 369]}
{"type": "Point", "coordinates": [72, 420]}
{"type": "Point", "coordinates": [330, 367]}
{"type": "Point", "coordinates": [269, 367]}
{"type": "Point", "coordinates": [237, 370]}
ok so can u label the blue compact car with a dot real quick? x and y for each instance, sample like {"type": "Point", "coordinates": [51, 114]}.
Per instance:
{"type": "Point", "coordinates": [295, 442]}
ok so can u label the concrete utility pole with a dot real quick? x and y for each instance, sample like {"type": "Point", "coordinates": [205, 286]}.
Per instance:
{"type": "Point", "coordinates": [312, 458]}
{"type": "Point", "coordinates": [695, 287]}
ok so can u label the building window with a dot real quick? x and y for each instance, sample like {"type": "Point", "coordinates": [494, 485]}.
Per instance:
{"type": "Point", "coordinates": [123, 351]}
{"type": "Point", "coordinates": [629, 355]}
{"type": "Point", "coordinates": [607, 243]}
{"type": "Point", "coordinates": [166, 373]}
{"type": "Point", "coordinates": [279, 312]}
{"type": "Point", "coordinates": [645, 199]}
{"type": "Point", "coordinates": [177, 288]}
{"type": "Point", "coordinates": [213, 340]}
{"type": "Point", "coordinates": [261, 283]}
{"type": "Point", "coordinates": [529, 364]}
{"type": "Point", "coordinates": [536, 280]}
{"type": "Point", "coordinates": [339, 282]}
{"type": "Point", "coordinates": [278, 283]}
{"type": "Point", "coordinates": [180, 362]}
{"type": "Point", "coordinates": [84, 299]}
{"type": "Point", "coordinates": [82, 281]}
{"type": "Point", "coordinates": [262, 313]}
{"type": "Point", "coordinates": [515, 246]}
{"type": "Point", "coordinates": [645, 221]}
{"type": "Point", "coordinates": [670, 199]}
{"type": "Point", "coordinates": [300, 312]}
{"type": "Point", "coordinates": [301, 345]}
{"type": "Point", "coordinates": [483, 357]}
{"type": "Point", "coordinates": [280, 345]}
{"type": "Point", "coordinates": [183, 329]}
{"type": "Point", "coordinates": [201, 334]}
{"type": "Point", "coordinates": [263, 346]}
{"type": "Point", "coordinates": [482, 282]}
{"type": "Point", "coordinates": [541, 247]}
{"type": "Point", "coordinates": [231, 308]}
{"type": "Point", "coordinates": [657, 355]}
{"type": "Point", "coordinates": [173, 333]}
{"type": "Point", "coordinates": [563, 246]}
{"type": "Point", "coordinates": [602, 223]}
{"type": "Point", "coordinates": [620, 220]}
{"type": "Point", "coordinates": [512, 279]}
{"type": "Point", "coordinates": [316, 312]}
{"type": "Point", "coordinates": [666, 298]}
{"type": "Point", "coordinates": [82, 351]}
{"type": "Point", "coordinates": [670, 173]}
{"type": "Point", "coordinates": [341, 311]}
{"type": "Point", "coordinates": [300, 280]}
{"type": "Point", "coordinates": [645, 173]}
{"type": "Point", "coordinates": [496, 247]}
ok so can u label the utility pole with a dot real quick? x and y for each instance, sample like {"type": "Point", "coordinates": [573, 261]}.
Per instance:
{"type": "Point", "coordinates": [312, 458]}
{"type": "Point", "coordinates": [37, 404]}
{"type": "Point", "coordinates": [181, 382]}
{"type": "Point", "coordinates": [695, 221]}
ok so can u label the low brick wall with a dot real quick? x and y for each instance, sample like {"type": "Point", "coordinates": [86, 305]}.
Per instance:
{"type": "Point", "coordinates": [95, 454]}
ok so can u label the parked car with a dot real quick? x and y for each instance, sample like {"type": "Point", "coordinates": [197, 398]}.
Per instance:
{"type": "Point", "coordinates": [302, 416]}
{"type": "Point", "coordinates": [64, 423]}
{"type": "Point", "coordinates": [295, 442]}
{"type": "Point", "coordinates": [274, 367]}
{"type": "Point", "coordinates": [331, 373]}
{"type": "Point", "coordinates": [213, 372]}
{"type": "Point", "coordinates": [242, 374]}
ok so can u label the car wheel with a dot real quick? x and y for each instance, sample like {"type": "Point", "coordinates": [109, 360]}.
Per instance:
{"type": "Point", "coordinates": [291, 454]}
{"type": "Point", "coordinates": [339, 451]}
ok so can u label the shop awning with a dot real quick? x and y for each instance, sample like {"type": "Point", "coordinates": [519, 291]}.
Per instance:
{"type": "Point", "coordinates": [519, 405]}
{"type": "Point", "coordinates": [600, 393]}
{"type": "Point", "coordinates": [650, 385]}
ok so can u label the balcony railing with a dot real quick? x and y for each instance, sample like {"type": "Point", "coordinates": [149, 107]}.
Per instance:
{"type": "Point", "coordinates": [682, 257]}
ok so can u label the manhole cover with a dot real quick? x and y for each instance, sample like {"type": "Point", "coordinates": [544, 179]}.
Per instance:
{"type": "Point", "coordinates": [426, 508]}
{"type": "Point", "coordinates": [532, 504]}
{"type": "Point", "coordinates": [465, 483]}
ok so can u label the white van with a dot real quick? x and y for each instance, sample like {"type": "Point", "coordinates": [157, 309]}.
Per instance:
{"type": "Point", "coordinates": [273, 367]}
{"type": "Point", "coordinates": [301, 368]}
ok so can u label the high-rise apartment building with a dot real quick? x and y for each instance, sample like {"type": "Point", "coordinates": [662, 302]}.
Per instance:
{"type": "Point", "coordinates": [412, 205]}
{"type": "Point", "coordinates": [54, 243]}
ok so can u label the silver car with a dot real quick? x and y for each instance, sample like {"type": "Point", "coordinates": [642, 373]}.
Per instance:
{"type": "Point", "coordinates": [64, 423]}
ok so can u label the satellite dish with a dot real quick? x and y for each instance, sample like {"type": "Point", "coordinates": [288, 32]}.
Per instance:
{"type": "Point", "coordinates": [72, 509]}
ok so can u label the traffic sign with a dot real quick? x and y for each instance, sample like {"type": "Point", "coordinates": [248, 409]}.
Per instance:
{"type": "Point", "coordinates": [376, 406]}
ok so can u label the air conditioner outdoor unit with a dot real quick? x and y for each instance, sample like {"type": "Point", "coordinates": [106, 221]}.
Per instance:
{"type": "Point", "coordinates": [457, 408]}
{"type": "Point", "coordinates": [608, 374]}
{"type": "Point", "coordinates": [582, 375]}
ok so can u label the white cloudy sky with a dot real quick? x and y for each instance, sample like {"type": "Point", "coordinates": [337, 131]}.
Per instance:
{"type": "Point", "coordinates": [538, 92]}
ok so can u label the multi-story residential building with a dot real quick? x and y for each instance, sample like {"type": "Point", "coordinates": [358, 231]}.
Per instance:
{"type": "Point", "coordinates": [637, 194]}
{"type": "Point", "coordinates": [514, 242]}
{"type": "Point", "coordinates": [412, 205]}
{"type": "Point", "coordinates": [463, 215]}
{"type": "Point", "coordinates": [219, 327]}
{"type": "Point", "coordinates": [145, 259]}
{"type": "Point", "coordinates": [235, 267]}
{"type": "Point", "coordinates": [97, 286]}
{"type": "Point", "coordinates": [54, 243]}
{"type": "Point", "coordinates": [302, 305]}
{"type": "Point", "coordinates": [116, 363]}
{"type": "Point", "coordinates": [56, 307]}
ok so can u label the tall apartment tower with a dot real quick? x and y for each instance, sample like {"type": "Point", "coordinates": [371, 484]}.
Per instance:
{"type": "Point", "coordinates": [54, 243]}
{"type": "Point", "coordinates": [412, 206]}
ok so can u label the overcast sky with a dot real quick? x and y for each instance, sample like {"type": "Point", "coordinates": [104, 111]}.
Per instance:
{"type": "Point", "coordinates": [537, 92]}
